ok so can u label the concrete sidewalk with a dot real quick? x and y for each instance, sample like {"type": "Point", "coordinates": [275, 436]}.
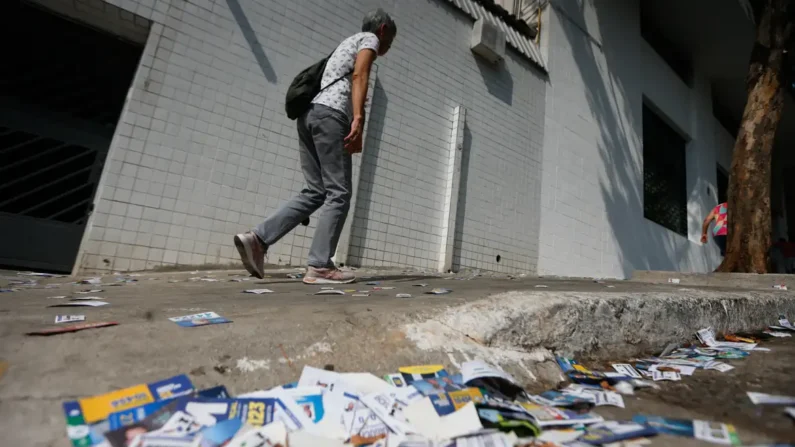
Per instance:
{"type": "Point", "coordinates": [512, 322]}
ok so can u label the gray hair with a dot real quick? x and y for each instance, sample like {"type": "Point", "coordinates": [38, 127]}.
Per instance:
{"type": "Point", "coordinates": [374, 19]}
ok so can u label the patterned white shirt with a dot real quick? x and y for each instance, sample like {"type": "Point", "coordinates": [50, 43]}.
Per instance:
{"type": "Point", "coordinates": [340, 63]}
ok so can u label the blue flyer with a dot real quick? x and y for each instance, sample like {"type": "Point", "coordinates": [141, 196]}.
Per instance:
{"type": "Point", "coordinates": [255, 412]}
{"type": "Point", "coordinates": [202, 319]}
{"type": "Point", "coordinates": [615, 431]}
{"type": "Point", "coordinates": [87, 418]}
{"type": "Point", "coordinates": [128, 417]}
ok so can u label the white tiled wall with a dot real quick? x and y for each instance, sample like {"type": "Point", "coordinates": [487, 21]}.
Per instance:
{"type": "Point", "coordinates": [592, 220]}
{"type": "Point", "coordinates": [203, 149]}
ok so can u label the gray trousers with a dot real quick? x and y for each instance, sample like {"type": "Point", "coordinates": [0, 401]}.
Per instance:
{"type": "Point", "coordinates": [327, 169]}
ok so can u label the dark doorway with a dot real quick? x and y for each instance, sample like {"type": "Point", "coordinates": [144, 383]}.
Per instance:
{"type": "Point", "coordinates": [62, 89]}
{"type": "Point", "coordinates": [723, 185]}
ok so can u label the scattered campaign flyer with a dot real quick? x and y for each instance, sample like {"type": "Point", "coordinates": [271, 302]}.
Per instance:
{"type": "Point", "coordinates": [130, 416]}
{"type": "Point", "coordinates": [615, 431]}
{"type": "Point", "coordinates": [681, 369]}
{"type": "Point", "coordinates": [449, 402]}
{"type": "Point", "coordinates": [568, 365]}
{"type": "Point", "coordinates": [271, 435]}
{"type": "Point", "coordinates": [69, 318]}
{"type": "Point", "coordinates": [707, 337]}
{"type": "Point", "coordinates": [86, 419]}
{"type": "Point", "coordinates": [441, 385]}
{"type": "Point", "coordinates": [549, 417]}
{"type": "Point", "coordinates": [421, 372]}
{"type": "Point", "coordinates": [258, 291]}
{"type": "Point", "coordinates": [627, 370]}
{"type": "Point", "coordinates": [554, 398]}
{"type": "Point", "coordinates": [609, 398]}
{"type": "Point", "coordinates": [477, 369]}
{"type": "Point", "coordinates": [202, 319]}
{"type": "Point", "coordinates": [665, 375]}
{"type": "Point", "coordinates": [785, 323]}
{"type": "Point", "coordinates": [718, 366]}
{"type": "Point", "coordinates": [395, 380]}
{"type": "Point", "coordinates": [714, 432]}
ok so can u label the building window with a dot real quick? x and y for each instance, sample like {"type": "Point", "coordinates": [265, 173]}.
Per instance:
{"type": "Point", "coordinates": [723, 185]}
{"type": "Point", "coordinates": [664, 177]}
{"type": "Point", "coordinates": [676, 57]}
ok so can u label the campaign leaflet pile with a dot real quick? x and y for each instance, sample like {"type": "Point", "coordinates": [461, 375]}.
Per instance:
{"type": "Point", "coordinates": [419, 406]}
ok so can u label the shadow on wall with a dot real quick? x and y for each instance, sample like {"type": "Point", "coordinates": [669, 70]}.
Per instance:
{"type": "Point", "coordinates": [496, 78]}
{"type": "Point", "coordinates": [640, 244]}
{"type": "Point", "coordinates": [253, 41]}
{"type": "Point", "coordinates": [370, 154]}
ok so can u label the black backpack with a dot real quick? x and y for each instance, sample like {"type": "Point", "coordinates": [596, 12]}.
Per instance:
{"type": "Point", "coordinates": [305, 87]}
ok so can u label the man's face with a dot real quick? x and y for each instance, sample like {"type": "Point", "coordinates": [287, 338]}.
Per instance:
{"type": "Point", "coordinates": [385, 38]}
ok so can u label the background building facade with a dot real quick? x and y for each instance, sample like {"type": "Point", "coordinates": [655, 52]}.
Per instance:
{"type": "Point", "coordinates": [532, 165]}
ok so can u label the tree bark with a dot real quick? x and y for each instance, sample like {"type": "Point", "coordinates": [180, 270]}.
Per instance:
{"type": "Point", "coordinates": [749, 221]}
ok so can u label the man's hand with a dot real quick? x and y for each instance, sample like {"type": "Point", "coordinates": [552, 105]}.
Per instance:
{"type": "Point", "coordinates": [703, 238]}
{"type": "Point", "coordinates": [353, 142]}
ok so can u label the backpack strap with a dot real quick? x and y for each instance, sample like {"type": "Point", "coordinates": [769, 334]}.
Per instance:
{"type": "Point", "coordinates": [335, 81]}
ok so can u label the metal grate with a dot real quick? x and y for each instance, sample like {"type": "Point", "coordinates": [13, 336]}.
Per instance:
{"type": "Point", "coordinates": [664, 174]}
{"type": "Point", "coordinates": [45, 178]}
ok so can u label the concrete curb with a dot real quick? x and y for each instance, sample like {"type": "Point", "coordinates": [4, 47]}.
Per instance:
{"type": "Point", "coordinates": [521, 331]}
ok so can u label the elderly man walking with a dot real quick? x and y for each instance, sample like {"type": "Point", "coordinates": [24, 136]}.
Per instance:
{"type": "Point", "coordinates": [329, 132]}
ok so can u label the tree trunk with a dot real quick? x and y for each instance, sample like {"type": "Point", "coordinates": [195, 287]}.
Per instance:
{"type": "Point", "coordinates": [749, 226]}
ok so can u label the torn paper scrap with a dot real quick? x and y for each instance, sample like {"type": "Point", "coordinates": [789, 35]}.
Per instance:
{"type": "Point", "coordinates": [762, 398]}
{"type": "Point", "coordinates": [718, 366]}
{"type": "Point", "coordinates": [69, 318]}
{"type": "Point", "coordinates": [258, 291]}
{"type": "Point", "coordinates": [330, 292]}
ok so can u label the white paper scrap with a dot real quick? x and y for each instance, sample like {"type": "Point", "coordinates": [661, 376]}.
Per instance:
{"type": "Point", "coordinates": [69, 318]}
{"type": "Point", "coordinates": [683, 369]}
{"type": "Point", "coordinates": [762, 398]}
{"type": "Point", "coordinates": [274, 433]}
{"type": "Point", "coordinates": [480, 440]}
{"type": "Point", "coordinates": [258, 291]}
{"type": "Point", "coordinates": [81, 304]}
{"type": "Point", "coordinates": [423, 417]}
{"type": "Point", "coordinates": [559, 436]}
{"type": "Point", "coordinates": [476, 369]}
{"type": "Point", "coordinates": [714, 432]}
{"type": "Point", "coordinates": [790, 411]}
{"type": "Point", "coordinates": [666, 375]}
{"type": "Point", "coordinates": [627, 370]}
{"type": "Point", "coordinates": [306, 439]}
{"type": "Point", "coordinates": [330, 292]}
{"type": "Point", "coordinates": [718, 366]}
{"type": "Point", "coordinates": [60, 297]}
{"type": "Point", "coordinates": [609, 398]}
{"type": "Point", "coordinates": [776, 334]}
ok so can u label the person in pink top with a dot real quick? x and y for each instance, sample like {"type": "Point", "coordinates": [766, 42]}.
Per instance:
{"type": "Point", "coordinates": [719, 214]}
